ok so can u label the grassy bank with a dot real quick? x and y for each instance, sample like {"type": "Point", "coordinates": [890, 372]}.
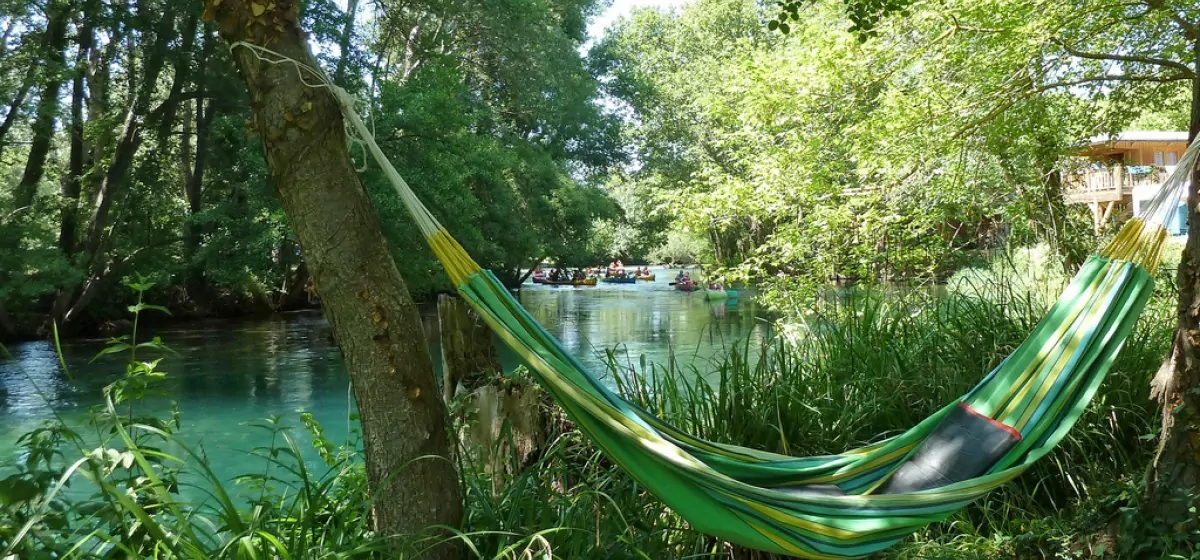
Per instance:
{"type": "Point", "coordinates": [862, 367]}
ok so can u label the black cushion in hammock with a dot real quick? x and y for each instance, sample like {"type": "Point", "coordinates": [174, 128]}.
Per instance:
{"type": "Point", "coordinates": [963, 446]}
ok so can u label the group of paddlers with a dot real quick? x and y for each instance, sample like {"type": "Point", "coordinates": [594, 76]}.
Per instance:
{"type": "Point", "coordinates": [685, 279]}
{"type": "Point", "coordinates": [561, 275]}
{"type": "Point", "coordinates": [616, 269]}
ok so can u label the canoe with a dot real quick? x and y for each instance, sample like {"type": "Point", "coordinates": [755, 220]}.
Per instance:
{"type": "Point", "coordinates": [612, 280]}
{"type": "Point", "coordinates": [715, 294]}
{"type": "Point", "coordinates": [588, 282]}
{"type": "Point", "coordinates": [539, 279]}
{"type": "Point", "coordinates": [559, 282]}
{"type": "Point", "coordinates": [648, 277]}
{"type": "Point", "coordinates": [684, 287]}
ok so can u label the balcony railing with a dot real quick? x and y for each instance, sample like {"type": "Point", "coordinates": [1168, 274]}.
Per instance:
{"type": "Point", "coordinates": [1108, 184]}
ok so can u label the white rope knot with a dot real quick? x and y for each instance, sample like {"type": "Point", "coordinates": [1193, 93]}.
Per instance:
{"type": "Point", "coordinates": [357, 132]}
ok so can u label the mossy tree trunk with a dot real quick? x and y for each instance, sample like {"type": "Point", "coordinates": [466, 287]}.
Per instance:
{"type": "Point", "coordinates": [1175, 475]}
{"type": "Point", "coordinates": [362, 294]}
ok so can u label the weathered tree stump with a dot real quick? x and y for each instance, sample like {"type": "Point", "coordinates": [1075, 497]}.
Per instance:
{"type": "Point", "coordinates": [502, 418]}
{"type": "Point", "coordinates": [468, 355]}
{"type": "Point", "coordinates": [504, 427]}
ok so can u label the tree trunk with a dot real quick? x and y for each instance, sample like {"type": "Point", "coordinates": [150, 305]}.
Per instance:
{"type": "Point", "coordinates": [47, 108]}
{"type": "Point", "coordinates": [344, 43]}
{"type": "Point", "coordinates": [521, 278]}
{"type": "Point", "coordinates": [193, 186]}
{"type": "Point", "coordinates": [297, 295]}
{"type": "Point", "coordinates": [8, 29]}
{"type": "Point", "coordinates": [468, 354]}
{"type": "Point", "coordinates": [1175, 473]}
{"type": "Point", "coordinates": [182, 58]}
{"type": "Point", "coordinates": [374, 320]}
{"type": "Point", "coordinates": [14, 108]}
{"type": "Point", "coordinates": [197, 286]}
{"type": "Point", "coordinates": [7, 326]}
{"type": "Point", "coordinates": [91, 257]}
{"type": "Point", "coordinates": [53, 47]}
{"type": "Point", "coordinates": [73, 183]}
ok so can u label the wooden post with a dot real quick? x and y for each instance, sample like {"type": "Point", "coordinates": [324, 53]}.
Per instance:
{"type": "Point", "coordinates": [1108, 209]}
{"type": "Point", "coordinates": [468, 354]}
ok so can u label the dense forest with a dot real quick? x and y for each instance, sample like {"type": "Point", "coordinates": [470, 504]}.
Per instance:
{"type": "Point", "coordinates": [826, 154]}
{"type": "Point", "coordinates": [125, 150]}
{"type": "Point", "coordinates": [815, 154]}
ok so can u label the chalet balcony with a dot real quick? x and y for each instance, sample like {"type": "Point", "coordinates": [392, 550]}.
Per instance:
{"type": "Point", "coordinates": [1110, 184]}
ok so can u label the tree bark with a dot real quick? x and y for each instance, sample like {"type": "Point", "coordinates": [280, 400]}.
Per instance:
{"type": "Point", "coordinates": [194, 165]}
{"type": "Point", "coordinates": [344, 43]}
{"type": "Point", "coordinates": [468, 353]}
{"type": "Point", "coordinates": [91, 257]}
{"type": "Point", "coordinates": [72, 184]}
{"type": "Point", "coordinates": [14, 108]}
{"type": "Point", "coordinates": [374, 319]}
{"type": "Point", "coordinates": [47, 108]}
{"type": "Point", "coordinates": [1175, 473]}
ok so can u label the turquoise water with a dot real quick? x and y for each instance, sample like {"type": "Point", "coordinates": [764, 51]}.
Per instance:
{"type": "Point", "coordinates": [225, 375]}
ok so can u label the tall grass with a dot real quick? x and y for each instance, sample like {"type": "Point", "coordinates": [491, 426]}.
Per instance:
{"type": "Point", "coordinates": [871, 366]}
{"type": "Point", "coordinates": [865, 367]}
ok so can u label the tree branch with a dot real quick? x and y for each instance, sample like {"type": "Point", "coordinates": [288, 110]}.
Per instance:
{"type": "Point", "coordinates": [1188, 27]}
{"type": "Point", "coordinates": [1018, 96]}
{"type": "Point", "coordinates": [178, 97]}
{"type": "Point", "coordinates": [1166, 63]}
{"type": "Point", "coordinates": [1113, 78]}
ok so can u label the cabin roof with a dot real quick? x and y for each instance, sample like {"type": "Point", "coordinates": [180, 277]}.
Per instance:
{"type": "Point", "coordinates": [1139, 136]}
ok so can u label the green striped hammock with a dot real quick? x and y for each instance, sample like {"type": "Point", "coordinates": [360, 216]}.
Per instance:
{"type": "Point", "coordinates": [744, 495]}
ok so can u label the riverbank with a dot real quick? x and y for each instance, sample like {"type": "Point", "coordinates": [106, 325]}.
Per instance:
{"type": "Point", "coordinates": [109, 315]}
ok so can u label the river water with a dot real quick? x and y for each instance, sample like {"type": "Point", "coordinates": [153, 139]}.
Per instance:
{"type": "Point", "coordinates": [226, 375]}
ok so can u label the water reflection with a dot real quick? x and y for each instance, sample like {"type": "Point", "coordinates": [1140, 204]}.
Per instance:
{"type": "Point", "coordinates": [227, 374]}
{"type": "Point", "coordinates": [648, 319]}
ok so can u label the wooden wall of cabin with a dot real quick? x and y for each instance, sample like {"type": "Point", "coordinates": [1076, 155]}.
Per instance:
{"type": "Point", "coordinates": [1142, 153]}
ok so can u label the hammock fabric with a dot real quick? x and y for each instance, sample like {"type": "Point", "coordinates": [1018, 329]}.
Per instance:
{"type": "Point", "coordinates": [759, 499]}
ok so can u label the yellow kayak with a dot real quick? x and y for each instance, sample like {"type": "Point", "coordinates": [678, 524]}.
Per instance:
{"type": "Point", "coordinates": [648, 277]}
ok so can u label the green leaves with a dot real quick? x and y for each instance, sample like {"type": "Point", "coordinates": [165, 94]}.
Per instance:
{"type": "Point", "coordinates": [509, 168]}
{"type": "Point", "coordinates": [115, 346]}
{"type": "Point", "coordinates": [140, 285]}
{"type": "Point", "coordinates": [140, 307]}
{"type": "Point", "coordinates": [864, 15]}
{"type": "Point", "coordinates": [156, 344]}
{"type": "Point", "coordinates": [815, 153]}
